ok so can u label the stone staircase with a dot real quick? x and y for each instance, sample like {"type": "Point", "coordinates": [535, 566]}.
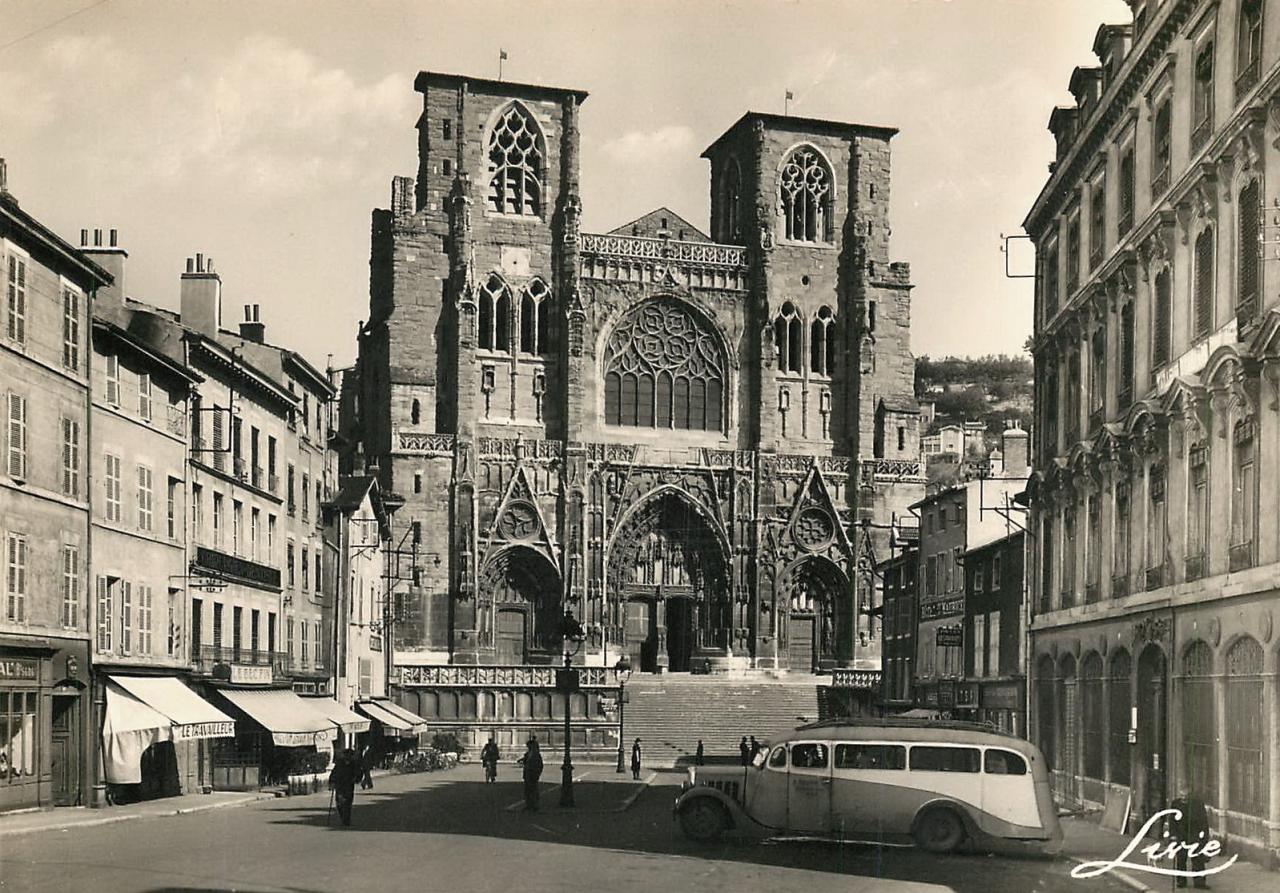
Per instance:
{"type": "Point", "coordinates": [670, 713]}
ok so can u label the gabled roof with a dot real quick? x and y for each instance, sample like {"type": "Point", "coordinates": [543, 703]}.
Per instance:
{"type": "Point", "coordinates": [651, 224]}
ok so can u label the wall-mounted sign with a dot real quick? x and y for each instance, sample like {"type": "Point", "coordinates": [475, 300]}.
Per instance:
{"type": "Point", "coordinates": [945, 608]}
{"type": "Point", "coordinates": [950, 636]}
{"type": "Point", "coordinates": [250, 675]}
{"type": "Point", "coordinates": [19, 669]}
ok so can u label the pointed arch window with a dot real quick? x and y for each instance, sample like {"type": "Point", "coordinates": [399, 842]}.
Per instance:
{"type": "Point", "coordinates": [516, 159]}
{"type": "Point", "coordinates": [664, 368]}
{"type": "Point", "coordinates": [535, 318]}
{"type": "Point", "coordinates": [1204, 283]}
{"type": "Point", "coordinates": [788, 337]}
{"type": "Point", "coordinates": [731, 229]}
{"type": "Point", "coordinates": [806, 194]}
{"type": "Point", "coordinates": [495, 315]}
{"type": "Point", "coordinates": [822, 343]}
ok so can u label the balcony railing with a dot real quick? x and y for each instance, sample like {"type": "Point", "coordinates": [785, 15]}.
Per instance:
{"type": "Point", "coordinates": [273, 483]}
{"type": "Point", "coordinates": [1240, 556]}
{"type": "Point", "coordinates": [643, 259]}
{"type": "Point", "coordinates": [1195, 567]}
{"type": "Point", "coordinates": [298, 665]}
{"type": "Point", "coordinates": [1155, 577]}
{"type": "Point", "coordinates": [206, 657]}
{"type": "Point", "coordinates": [1247, 78]}
{"type": "Point", "coordinates": [256, 477]}
{"type": "Point", "coordinates": [240, 469]}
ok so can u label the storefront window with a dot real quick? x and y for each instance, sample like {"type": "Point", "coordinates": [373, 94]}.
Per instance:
{"type": "Point", "coordinates": [18, 731]}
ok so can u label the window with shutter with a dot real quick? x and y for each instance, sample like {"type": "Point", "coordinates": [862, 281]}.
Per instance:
{"type": "Point", "coordinates": [70, 330]}
{"type": "Point", "coordinates": [144, 396]}
{"type": "Point", "coordinates": [112, 483]}
{"type": "Point", "coordinates": [126, 616]}
{"type": "Point", "coordinates": [70, 458]}
{"type": "Point", "coordinates": [1204, 283]}
{"type": "Point", "coordinates": [106, 614]}
{"type": "Point", "coordinates": [16, 578]}
{"type": "Point", "coordinates": [219, 457]}
{"type": "Point", "coordinates": [1247, 286]}
{"type": "Point", "coordinates": [1163, 318]}
{"type": "Point", "coordinates": [113, 379]}
{"type": "Point", "coordinates": [17, 299]}
{"type": "Point", "coordinates": [17, 464]}
{"type": "Point", "coordinates": [70, 586]}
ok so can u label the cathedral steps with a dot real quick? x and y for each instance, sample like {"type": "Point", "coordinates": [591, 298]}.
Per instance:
{"type": "Point", "coordinates": [670, 713]}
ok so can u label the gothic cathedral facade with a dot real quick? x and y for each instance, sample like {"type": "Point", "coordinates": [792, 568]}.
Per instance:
{"type": "Point", "coordinates": [696, 444]}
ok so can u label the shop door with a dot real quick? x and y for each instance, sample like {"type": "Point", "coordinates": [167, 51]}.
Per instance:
{"type": "Point", "coordinates": [510, 639]}
{"type": "Point", "coordinates": [800, 643]}
{"type": "Point", "coordinates": [65, 755]}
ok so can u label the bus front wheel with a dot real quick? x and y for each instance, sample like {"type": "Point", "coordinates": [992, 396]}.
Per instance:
{"type": "Point", "coordinates": [939, 831]}
{"type": "Point", "coordinates": [704, 820]}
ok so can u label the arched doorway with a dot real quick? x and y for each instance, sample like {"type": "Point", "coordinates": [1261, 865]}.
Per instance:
{"type": "Point", "coordinates": [1153, 686]}
{"type": "Point", "coordinates": [673, 580]}
{"type": "Point", "coordinates": [522, 588]}
{"type": "Point", "coordinates": [820, 618]}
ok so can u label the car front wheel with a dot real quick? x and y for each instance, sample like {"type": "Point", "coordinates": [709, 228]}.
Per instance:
{"type": "Point", "coordinates": [704, 820]}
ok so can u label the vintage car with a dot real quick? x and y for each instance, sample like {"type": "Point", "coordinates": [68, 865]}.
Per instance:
{"type": "Point", "coordinates": [937, 783]}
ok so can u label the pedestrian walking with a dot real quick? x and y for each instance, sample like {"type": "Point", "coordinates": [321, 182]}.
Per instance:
{"type": "Point", "coordinates": [744, 751]}
{"type": "Point", "coordinates": [531, 762]}
{"type": "Point", "coordinates": [366, 768]}
{"type": "Point", "coordinates": [635, 760]}
{"type": "Point", "coordinates": [698, 758]}
{"type": "Point", "coordinates": [342, 781]}
{"type": "Point", "coordinates": [489, 759]}
{"type": "Point", "coordinates": [1192, 828]}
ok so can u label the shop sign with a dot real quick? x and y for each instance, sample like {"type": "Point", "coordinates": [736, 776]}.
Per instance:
{"type": "Point", "coordinates": [250, 675]}
{"type": "Point", "coordinates": [20, 669]}
{"type": "Point", "coordinates": [868, 680]}
{"type": "Point", "coordinates": [947, 608]}
{"type": "Point", "coordinates": [195, 730]}
{"type": "Point", "coordinates": [967, 695]}
{"type": "Point", "coordinates": [950, 636]}
{"type": "Point", "coordinates": [1001, 697]}
{"type": "Point", "coordinates": [300, 739]}
{"type": "Point", "coordinates": [931, 697]}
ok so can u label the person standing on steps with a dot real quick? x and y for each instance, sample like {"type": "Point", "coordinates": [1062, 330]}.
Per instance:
{"type": "Point", "coordinates": [532, 765]}
{"type": "Point", "coordinates": [698, 758]}
{"type": "Point", "coordinates": [744, 751]}
{"type": "Point", "coordinates": [635, 760]}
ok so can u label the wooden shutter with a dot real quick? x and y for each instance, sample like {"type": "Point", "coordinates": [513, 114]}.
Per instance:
{"type": "Point", "coordinates": [1247, 287]}
{"type": "Point", "coordinates": [17, 436]}
{"type": "Point", "coordinates": [1204, 283]}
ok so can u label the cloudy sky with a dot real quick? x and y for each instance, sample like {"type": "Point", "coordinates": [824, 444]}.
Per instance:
{"type": "Point", "coordinates": [262, 133]}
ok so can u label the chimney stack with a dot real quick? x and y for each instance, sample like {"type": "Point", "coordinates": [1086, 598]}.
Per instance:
{"type": "Point", "coordinates": [201, 297]}
{"type": "Point", "coordinates": [252, 329]}
{"type": "Point", "coordinates": [4, 177]}
{"type": "Point", "coordinates": [111, 257]}
{"type": "Point", "coordinates": [1016, 446]}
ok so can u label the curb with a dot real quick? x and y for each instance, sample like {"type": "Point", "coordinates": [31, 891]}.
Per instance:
{"type": "Point", "coordinates": [128, 817]}
{"type": "Point", "coordinates": [635, 795]}
{"type": "Point", "coordinates": [1127, 879]}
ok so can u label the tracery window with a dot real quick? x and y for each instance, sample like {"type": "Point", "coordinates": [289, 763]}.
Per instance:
{"type": "Point", "coordinates": [515, 164]}
{"type": "Point", "coordinates": [535, 318]}
{"type": "Point", "coordinates": [732, 198]}
{"type": "Point", "coordinates": [788, 335]}
{"type": "Point", "coordinates": [806, 195]}
{"type": "Point", "coordinates": [822, 343]}
{"type": "Point", "coordinates": [495, 315]}
{"type": "Point", "coordinates": [664, 369]}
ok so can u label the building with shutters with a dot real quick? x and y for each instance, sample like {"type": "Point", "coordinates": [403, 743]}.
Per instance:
{"type": "Point", "coordinates": [46, 737]}
{"type": "Point", "coordinates": [1154, 518]}
{"type": "Point", "coordinates": [671, 434]}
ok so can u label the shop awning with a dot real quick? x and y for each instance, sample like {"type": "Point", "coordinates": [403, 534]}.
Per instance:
{"type": "Point", "coordinates": [191, 715]}
{"type": "Point", "coordinates": [141, 711]}
{"type": "Point", "coordinates": [340, 716]}
{"type": "Point", "coordinates": [392, 726]}
{"type": "Point", "coordinates": [291, 722]}
{"type": "Point", "coordinates": [416, 723]}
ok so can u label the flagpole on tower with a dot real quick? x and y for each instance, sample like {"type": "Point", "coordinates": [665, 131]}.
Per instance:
{"type": "Point", "coordinates": [502, 55]}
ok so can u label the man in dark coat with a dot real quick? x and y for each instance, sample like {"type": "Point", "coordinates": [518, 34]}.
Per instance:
{"type": "Point", "coordinates": [532, 764]}
{"type": "Point", "coordinates": [744, 751]}
{"type": "Point", "coordinates": [755, 748]}
{"type": "Point", "coordinates": [1192, 828]}
{"type": "Point", "coordinates": [698, 757]}
{"type": "Point", "coordinates": [342, 781]}
{"type": "Point", "coordinates": [489, 759]}
{"type": "Point", "coordinates": [635, 760]}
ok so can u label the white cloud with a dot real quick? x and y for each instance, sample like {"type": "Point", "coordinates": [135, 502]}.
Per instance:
{"type": "Point", "coordinates": [639, 146]}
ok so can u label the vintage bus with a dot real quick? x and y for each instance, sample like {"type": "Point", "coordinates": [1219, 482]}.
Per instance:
{"type": "Point", "coordinates": [935, 783]}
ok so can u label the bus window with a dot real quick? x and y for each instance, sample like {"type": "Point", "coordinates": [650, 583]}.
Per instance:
{"type": "Point", "coordinates": [945, 759]}
{"type": "Point", "coordinates": [871, 756]}
{"type": "Point", "coordinates": [1003, 762]}
{"type": "Point", "coordinates": [778, 759]}
{"type": "Point", "coordinates": [809, 756]}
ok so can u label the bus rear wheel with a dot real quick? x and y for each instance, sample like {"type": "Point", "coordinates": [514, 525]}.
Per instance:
{"type": "Point", "coordinates": [939, 831]}
{"type": "Point", "coordinates": [704, 820]}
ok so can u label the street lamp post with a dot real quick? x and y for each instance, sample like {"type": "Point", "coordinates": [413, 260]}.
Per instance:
{"type": "Point", "coordinates": [623, 669]}
{"type": "Point", "coordinates": [573, 634]}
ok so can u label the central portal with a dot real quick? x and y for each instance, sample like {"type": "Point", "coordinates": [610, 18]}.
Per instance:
{"type": "Point", "coordinates": [674, 587]}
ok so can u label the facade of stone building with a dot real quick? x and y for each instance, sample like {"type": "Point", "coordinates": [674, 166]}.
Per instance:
{"type": "Point", "coordinates": [46, 750]}
{"type": "Point", "coordinates": [994, 686]}
{"type": "Point", "coordinates": [674, 438]}
{"type": "Point", "coordinates": [1154, 657]}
